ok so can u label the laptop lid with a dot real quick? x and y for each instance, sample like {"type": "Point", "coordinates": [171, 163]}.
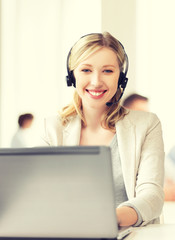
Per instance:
{"type": "Point", "coordinates": [57, 192]}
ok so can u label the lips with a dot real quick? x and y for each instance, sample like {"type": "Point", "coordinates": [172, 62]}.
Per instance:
{"type": "Point", "coordinates": [96, 94]}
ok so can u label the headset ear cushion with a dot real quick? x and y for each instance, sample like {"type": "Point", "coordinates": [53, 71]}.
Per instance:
{"type": "Point", "coordinates": [122, 80]}
{"type": "Point", "coordinates": [70, 79]}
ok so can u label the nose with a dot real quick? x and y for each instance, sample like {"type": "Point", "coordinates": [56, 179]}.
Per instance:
{"type": "Point", "coordinates": [96, 79]}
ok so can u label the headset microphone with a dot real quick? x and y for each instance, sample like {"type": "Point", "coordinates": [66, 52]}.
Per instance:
{"type": "Point", "coordinates": [108, 104]}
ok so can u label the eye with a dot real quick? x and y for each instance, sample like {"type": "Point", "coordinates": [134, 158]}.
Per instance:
{"type": "Point", "coordinates": [85, 70]}
{"type": "Point", "coordinates": [108, 71]}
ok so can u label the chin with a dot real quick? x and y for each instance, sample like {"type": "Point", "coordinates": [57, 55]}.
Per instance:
{"type": "Point", "coordinates": [97, 106]}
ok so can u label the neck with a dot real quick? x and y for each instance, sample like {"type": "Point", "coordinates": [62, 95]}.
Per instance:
{"type": "Point", "coordinates": [93, 117]}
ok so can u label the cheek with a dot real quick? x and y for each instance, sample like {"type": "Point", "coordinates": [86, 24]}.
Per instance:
{"type": "Point", "coordinates": [114, 84]}
{"type": "Point", "coordinates": [79, 88]}
{"type": "Point", "coordinates": [78, 78]}
{"type": "Point", "coordinates": [81, 82]}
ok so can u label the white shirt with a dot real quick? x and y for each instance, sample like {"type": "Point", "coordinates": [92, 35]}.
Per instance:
{"type": "Point", "coordinates": [22, 138]}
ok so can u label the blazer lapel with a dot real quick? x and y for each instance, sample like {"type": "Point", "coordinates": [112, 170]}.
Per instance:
{"type": "Point", "coordinates": [127, 150]}
{"type": "Point", "coordinates": [71, 133]}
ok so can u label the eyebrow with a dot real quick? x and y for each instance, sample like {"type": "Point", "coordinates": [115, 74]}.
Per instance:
{"type": "Point", "coordinates": [109, 66]}
{"type": "Point", "coordinates": [89, 65]}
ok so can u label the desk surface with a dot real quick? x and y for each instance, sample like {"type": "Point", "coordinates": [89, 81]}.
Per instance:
{"type": "Point", "coordinates": [153, 232]}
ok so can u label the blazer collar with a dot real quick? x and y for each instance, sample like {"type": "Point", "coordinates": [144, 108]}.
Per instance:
{"type": "Point", "coordinates": [71, 133]}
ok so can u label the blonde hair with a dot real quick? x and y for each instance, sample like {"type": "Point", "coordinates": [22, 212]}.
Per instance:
{"type": "Point", "coordinates": [79, 52]}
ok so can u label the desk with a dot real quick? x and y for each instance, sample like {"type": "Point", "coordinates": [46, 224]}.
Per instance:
{"type": "Point", "coordinates": [153, 232]}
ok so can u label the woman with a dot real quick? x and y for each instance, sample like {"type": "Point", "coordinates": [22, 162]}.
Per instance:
{"type": "Point", "coordinates": [95, 66]}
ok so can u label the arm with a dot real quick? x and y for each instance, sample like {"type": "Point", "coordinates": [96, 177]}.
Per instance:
{"type": "Point", "coordinates": [147, 197]}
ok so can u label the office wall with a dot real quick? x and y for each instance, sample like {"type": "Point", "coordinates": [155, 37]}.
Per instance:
{"type": "Point", "coordinates": [155, 61]}
{"type": "Point", "coordinates": [30, 63]}
{"type": "Point", "coordinates": [36, 36]}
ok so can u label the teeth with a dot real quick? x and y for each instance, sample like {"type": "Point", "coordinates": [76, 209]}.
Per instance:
{"type": "Point", "coordinates": [96, 93]}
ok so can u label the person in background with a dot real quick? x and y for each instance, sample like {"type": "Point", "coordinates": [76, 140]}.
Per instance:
{"type": "Point", "coordinates": [136, 102]}
{"type": "Point", "coordinates": [23, 136]}
{"type": "Point", "coordinates": [169, 186]}
{"type": "Point", "coordinates": [97, 66]}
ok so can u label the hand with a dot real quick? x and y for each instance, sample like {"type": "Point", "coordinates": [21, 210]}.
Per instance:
{"type": "Point", "coordinates": [126, 216]}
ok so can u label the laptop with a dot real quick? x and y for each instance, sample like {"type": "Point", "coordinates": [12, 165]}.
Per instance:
{"type": "Point", "coordinates": [57, 193]}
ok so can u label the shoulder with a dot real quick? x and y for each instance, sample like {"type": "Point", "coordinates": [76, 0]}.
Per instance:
{"type": "Point", "coordinates": [53, 131]}
{"type": "Point", "coordinates": [18, 139]}
{"type": "Point", "coordinates": [139, 119]}
{"type": "Point", "coordinates": [53, 122]}
{"type": "Point", "coordinates": [48, 129]}
{"type": "Point", "coordinates": [19, 134]}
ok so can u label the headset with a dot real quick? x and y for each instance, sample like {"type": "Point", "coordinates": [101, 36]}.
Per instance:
{"type": "Point", "coordinates": [122, 82]}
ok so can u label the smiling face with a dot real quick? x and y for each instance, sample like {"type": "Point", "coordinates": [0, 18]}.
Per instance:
{"type": "Point", "coordinates": [97, 78]}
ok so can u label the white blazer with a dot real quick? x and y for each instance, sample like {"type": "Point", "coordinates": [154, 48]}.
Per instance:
{"type": "Point", "coordinates": [141, 151]}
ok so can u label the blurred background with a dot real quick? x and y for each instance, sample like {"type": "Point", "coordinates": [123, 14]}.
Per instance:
{"type": "Point", "coordinates": [36, 36]}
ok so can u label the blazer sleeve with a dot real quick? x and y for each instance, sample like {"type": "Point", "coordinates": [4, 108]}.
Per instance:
{"type": "Point", "coordinates": [149, 195]}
